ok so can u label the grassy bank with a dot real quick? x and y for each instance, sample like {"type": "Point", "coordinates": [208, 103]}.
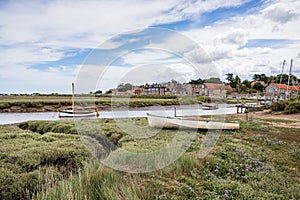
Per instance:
{"type": "Point", "coordinates": [48, 161]}
{"type": "Point", "coordinates": [58, 102]}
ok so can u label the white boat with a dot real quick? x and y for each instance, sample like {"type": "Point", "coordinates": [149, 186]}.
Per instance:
{"type": "Point", "coordinates": [77, 113]}
{"type": "Point", "coordinates": [177, 122]}
{"type": "Point", "coordinates": [71, 113]}
{"type": "Point", "coordinates": [209, 106]}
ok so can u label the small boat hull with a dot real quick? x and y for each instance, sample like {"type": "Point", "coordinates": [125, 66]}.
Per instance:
{"type": "Point", "coordinates": [177, 122]}
{"type": "Point", "coordinates": [71, 113]}
{"type": "Point", "coordinates": [210, 106]}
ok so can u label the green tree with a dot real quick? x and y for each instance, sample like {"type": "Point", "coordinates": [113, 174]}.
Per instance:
{"type": "Point", "coordinates": [235, 82]}
{"type": "Point", "coordinates": [213, 80]}
{"type": "Point", "coordinates": [271, 79]}
{"type": "Point", "coordinates": [98, 92]}
{"type": "Point", "coordinates": [260, 77]}
{"type": "Point", "coordinates": [124, 87]}
{"type": "Point", "coordinates": [229, 77]}
{"type": "Point", "coordinates": [247, 83]}
{"type": "Point", "coordinates": [243, 88]}
{"type": "Point", "coordinates": [256, 77]}
{"type": "Point", "coordinates": [199, 81]}
{"type": "Point", "coordinates": [258, 86]}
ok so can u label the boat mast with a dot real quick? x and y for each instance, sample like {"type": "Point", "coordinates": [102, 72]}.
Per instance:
{"type": "Point", "coordinates": [73, 106]}
{"type": "Point", "coordinates": [282, 72]}
{"type": "Point", "coordinates": [287, 88]}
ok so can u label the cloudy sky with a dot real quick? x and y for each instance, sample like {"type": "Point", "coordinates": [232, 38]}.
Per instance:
{"type": "Point", "coordinates": [46, 45]}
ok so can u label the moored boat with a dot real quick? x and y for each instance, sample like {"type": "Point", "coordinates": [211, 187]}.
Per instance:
{"type": "Point", "coordinates": [209, 106]}
{"type": "Point", "coordinates": [77, 113]}
{"type": "Point", "coordinates": [71, 113]}
{"type": "Point", "coordinates": [178, 122]}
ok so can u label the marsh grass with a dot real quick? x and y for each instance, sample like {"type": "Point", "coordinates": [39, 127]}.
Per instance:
{"type": "Point", "coordinates": [30, 161]}
{"type": "Point", "coordinates": [256, 162]}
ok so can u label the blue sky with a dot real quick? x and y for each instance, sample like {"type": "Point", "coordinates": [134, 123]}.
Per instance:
{"type": "Point", "coordinates": [46, 44]}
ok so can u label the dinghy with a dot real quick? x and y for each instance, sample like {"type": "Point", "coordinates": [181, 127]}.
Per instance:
{"type": "Point", "coordinates": [77, 113]}
{"type": "Point", "coordinates": [180, 122]}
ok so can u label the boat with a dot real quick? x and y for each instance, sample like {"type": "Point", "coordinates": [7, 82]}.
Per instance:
{"type": "Point", "coordinates": [181, 122]}
{"type": "Point", "coordinates": [77, 113]}
{"type": "Point", "coordinates": [72, 113]}
{"type": "Point", "coordinates": [209, 106]}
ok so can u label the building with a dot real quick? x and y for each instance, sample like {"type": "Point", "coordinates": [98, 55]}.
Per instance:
{"type": "Point", "coordinates": [278, 91]}
{"type": "Point", "coordinates": [214, 90]}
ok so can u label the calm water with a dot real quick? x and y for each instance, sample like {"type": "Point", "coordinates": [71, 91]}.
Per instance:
{"type": "Point", "coordinates": [11, 118]}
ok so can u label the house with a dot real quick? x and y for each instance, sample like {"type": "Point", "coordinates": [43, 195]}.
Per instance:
{"type": "Point", "coordinates": [150, 89]}
{"type": "Point", "coordinates": [278, 91]}
{"type": "Point", "coordinates": [214, 90]}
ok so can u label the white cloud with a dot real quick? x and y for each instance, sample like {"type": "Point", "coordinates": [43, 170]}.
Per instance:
{"type": "Point", "coordinates": [34, 32]}
{"type": "Point", "coordinates": [235, 37]}
{"type": "Point", "coordinates": [279, 14]}
{"type": "Point", "coordinates": [224, 40]}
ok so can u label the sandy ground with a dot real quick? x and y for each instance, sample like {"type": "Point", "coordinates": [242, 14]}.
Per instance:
{"type": "Point", "coordinates": [292, 120]}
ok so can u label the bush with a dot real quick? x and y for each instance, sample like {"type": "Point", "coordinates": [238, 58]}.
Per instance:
{"type": "Point", "coordinates": [293, 107]}
{"type": "Point", "coordinates": [288, 107]}
{"type": "Point", "coordinates": [279, 106]}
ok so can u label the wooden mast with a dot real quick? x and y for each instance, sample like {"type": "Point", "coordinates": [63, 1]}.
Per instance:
{"type": "Point", "coordinates": [287, 87]}
{"type": "Point", "coordinates": [73, 106]}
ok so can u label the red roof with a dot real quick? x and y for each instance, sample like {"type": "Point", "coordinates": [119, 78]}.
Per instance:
{"type": "Point", "coordinates": [294, 88]}
{"type": "Point", "coordinates": [280, 86]}
{"type": "Point", "coordinates": [284, 87]}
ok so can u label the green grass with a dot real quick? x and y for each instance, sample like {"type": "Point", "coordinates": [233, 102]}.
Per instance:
{"type": "Point", "coordinates": [30, 161]}
{"type": "Point", "coordinates": [256, 162]}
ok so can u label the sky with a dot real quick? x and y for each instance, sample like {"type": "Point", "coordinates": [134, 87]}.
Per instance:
{"type": "Point", "coordinates": [46, 45]}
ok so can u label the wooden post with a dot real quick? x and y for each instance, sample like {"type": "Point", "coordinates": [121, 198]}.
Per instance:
{"type": "Point", "coordinates": [175, 114]}
{"type": "Point", "coordinates": [73, 106]}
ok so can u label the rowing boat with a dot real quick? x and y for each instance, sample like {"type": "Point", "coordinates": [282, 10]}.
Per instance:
{"type": "Point", "coordinates": [180, 122]}
{"type": "Point", "coordinates": [77, 113]}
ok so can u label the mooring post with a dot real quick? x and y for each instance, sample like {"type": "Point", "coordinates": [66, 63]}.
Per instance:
{"type": "Point", "coordinates": [175, 114]}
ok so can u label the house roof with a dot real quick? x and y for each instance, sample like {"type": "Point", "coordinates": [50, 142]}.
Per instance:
{"type": "Point", "coordinates": [284, 87]}
{"type": "Point", "coordinates": [294, 88]}
{"type": "Point", "coordinates": [229, 88]}
{"type": "Point", "coordinates": [215, 86]}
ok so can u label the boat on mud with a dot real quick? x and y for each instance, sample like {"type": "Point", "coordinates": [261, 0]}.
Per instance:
{"type": "Point", "coordinates": [181, 122]}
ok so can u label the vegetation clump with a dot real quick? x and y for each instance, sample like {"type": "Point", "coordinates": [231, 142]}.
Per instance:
{"type": "Point", "coordinates": [287, 106]}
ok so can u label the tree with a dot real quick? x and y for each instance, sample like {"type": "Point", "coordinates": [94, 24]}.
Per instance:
{"type": "Point", "coordinates": [98, 92]}
{"type": "Point", "coordinates": [243, 88]}
{"type": "Point", "coordinates": [247, 83]}
{"type": "Point", "coordinates": [258, 86]}
{"type": "Point", "coordinates": [270, 80]}
{"type": "Point", "coordinates": [199, 81]}
{"type": "Point", "coordinates": [235, 82]}
{"type": "Point", "coordinates": [256, 77]}
{"type": "Point", "coordinates": [213, 80]}
{"type": "Point", "coordinates": [124, 87]}
{"type": "Point", "coordinates": [229, 77]}
{"type": "Point", "coordinates": [260, 77]}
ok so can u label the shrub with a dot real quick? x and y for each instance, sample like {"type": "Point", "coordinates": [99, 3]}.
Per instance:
{"type": "Point", "coordinates": [292, 107]}
{"type": "Point", "coordinates": [279, 106]}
